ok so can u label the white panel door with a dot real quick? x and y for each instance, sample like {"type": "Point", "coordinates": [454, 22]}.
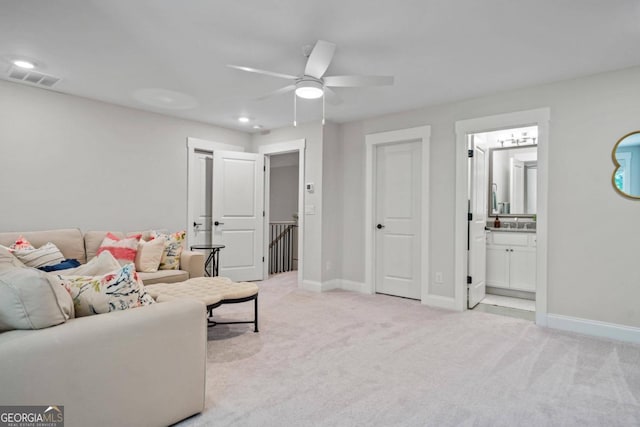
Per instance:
{"type": "Point", "coordinates": [237, 210]}
{"type": "Point", "coordinates": [397, 191]}
{"type": "Point", "coordinates": [201, 221]}
{"type": "Point", "coordinates": [477, 260]}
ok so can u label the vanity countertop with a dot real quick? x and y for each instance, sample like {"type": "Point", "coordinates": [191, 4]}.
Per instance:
{"type": "Point", "coordinates": [512, 230]}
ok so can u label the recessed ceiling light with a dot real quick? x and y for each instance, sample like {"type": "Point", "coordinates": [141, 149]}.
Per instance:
{"type": "Point", "coordinates": [24, 64]}
{"type": "Point", "coordinates": [257, 126]}
{"type": "Point", "coordinates": [243, 119]}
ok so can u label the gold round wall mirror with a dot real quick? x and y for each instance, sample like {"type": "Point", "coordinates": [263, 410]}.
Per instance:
{"type": "Point", "coordinates": [626, 158]}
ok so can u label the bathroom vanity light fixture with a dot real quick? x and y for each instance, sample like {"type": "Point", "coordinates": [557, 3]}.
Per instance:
{"type": "Point", "coordinates": [523, 140]}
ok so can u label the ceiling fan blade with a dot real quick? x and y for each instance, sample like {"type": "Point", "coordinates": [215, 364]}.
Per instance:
{"type": "Point", "coordinates": [320, 58]}
{"type": "Point", "coordinates": [258, 71]}
{"type": "Point", "coordinates": [277, 92]}
{"type": "Point", "coordinates": [332, 97]}
{"type": "Point", "coordinates": [358, 81]}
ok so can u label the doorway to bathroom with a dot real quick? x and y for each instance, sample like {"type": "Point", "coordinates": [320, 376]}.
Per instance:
{"type": "Point", "coordinates": [502, 195]}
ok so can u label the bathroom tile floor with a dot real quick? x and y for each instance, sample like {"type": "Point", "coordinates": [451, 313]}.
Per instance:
{"type": "Point", "coordinates": [519, 303]}
{"type": "Point", "coordinates": [508, 306]}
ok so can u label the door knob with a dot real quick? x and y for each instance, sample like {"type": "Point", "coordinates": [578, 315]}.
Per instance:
{"type": "Point", "coordinates": [379, 226]}
{"type": "Point", "coordinates": [196, 224]}
{"type": "Point", "coordinates": [218, 223]}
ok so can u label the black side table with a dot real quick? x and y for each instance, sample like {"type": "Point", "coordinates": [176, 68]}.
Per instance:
{"type": "Point", "coordinates": [213, 260]}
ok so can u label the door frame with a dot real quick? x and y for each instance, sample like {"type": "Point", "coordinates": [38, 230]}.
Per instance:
{"type": "Point", "coordinates": [202, 145]}
{"type": "Point", "coordinates": [537, 117]}
{"type": "Point", "coordinates": [281, 148]}
{"type": "Point", "coordinates": [421, 134]}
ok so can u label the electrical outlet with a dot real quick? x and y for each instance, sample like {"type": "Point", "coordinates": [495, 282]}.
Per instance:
{"type": "Point", "coordinates": [439, 278]}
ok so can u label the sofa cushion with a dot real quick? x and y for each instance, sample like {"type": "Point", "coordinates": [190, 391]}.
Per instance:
{"type": "Point", "coordinates": [118, 290]}
{"type": "Point", "coordinates": [149, 255]}
{"type": "Point", "coordinates": [164, 276]}
{"type": "Point", "coordinates": [8, 260]}
{"type": "Point", "coordinates": [30, 299]}
{"type": "Point", "coordinates": [69, 241]}
{"type": "Point", "coordinates": [46, 255]}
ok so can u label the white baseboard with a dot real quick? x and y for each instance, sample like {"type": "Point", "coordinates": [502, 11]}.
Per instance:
{"type": "Point", "coordinates": [439, 302]}
{"type": "Point", "coordinates": [330, 284]}
{"type": "Point", "coordinates": [311, 285]}
{"type": "Point", "coordinates": [350, 285]}
{"type": "Point", "coordinates": [594, 328]}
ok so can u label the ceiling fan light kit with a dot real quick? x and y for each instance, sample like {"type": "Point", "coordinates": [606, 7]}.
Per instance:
{"type": "Point", "coordinates": [311, 84]}
{"type": "Point", "coordinates": [309, 89]}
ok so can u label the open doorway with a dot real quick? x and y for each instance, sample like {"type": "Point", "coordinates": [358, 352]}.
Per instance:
{"type": "Point", "coordinates": [284, 171]}
{"type": "Point", "coordinates": [287, 243]}
{"type": "Point", "coordinates": [507, 121]}
{"type": "Point", "coordinates": [502, 194]}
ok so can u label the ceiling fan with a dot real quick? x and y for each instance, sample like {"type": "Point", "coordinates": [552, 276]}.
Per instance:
{"type": "Point", "coordinates": [313, 83]}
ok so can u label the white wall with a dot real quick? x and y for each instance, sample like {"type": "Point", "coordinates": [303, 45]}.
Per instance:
{"type": "Point", "coordinates": [332, 221]}
{"type": "Point", "coordinates": [283, 193]}
{"type": "Point", "coordinates": [67, 161]}
{"type": "Point", "coordinates": [593, 232]}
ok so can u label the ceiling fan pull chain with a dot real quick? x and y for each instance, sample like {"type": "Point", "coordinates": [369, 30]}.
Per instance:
{"type": "Point", "coordinates": [295, 110]}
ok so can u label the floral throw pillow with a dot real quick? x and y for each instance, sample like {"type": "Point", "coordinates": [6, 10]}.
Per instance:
{"type": "Point", "coordinates": [173, 245]}
{"type": "Point", "coordinates": [119, 290]}
{"type": "Point", "coordinates": [21, 243]}
{"type": "Point", "coordinates": [124, 250]}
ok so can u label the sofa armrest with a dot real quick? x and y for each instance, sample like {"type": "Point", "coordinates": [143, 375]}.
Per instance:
{"type": "Point", "coordinates": [193, 263]}
{"type": "Point", "coordinates": [143, 366]}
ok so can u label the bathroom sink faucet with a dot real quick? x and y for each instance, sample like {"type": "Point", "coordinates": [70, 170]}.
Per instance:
{"type": "Point", "coordinates": [516, 223]}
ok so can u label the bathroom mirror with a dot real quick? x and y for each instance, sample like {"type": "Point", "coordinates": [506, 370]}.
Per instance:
{"type": "Point", "coordinates": [626, 158]}
{"type": "Point", "coordinates": [513, 173]}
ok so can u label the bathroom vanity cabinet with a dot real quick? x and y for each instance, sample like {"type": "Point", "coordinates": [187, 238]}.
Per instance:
{"type": "Point", "coordinates": [511, 260]}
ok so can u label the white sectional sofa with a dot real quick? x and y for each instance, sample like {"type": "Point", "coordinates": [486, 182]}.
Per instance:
{"type": "Point", "coordinates": [73, 244]}
{"type": "Point", "coordinates": [143, 366]}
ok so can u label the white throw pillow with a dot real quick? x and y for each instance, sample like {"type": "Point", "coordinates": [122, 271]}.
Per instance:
{"type": "Point", "coordinates": [99, 265]}
{"type": "Point", "coordinates": [149, 255]}
{"type": "Point", "coordinates": [47, 254]}
{"type": "Point", "coordinates": [29, 299]}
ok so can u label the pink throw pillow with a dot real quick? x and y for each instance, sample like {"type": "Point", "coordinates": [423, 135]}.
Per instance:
{"type": "Point", "coordinates": [124, 250]}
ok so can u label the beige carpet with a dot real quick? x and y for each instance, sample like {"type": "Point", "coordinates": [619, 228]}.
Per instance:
{"type": "Point", "coordinates": [343, 359]}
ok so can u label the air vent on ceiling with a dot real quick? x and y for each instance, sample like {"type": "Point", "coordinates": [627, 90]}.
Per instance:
{"type": "Point", "coordinates": [33, 77]}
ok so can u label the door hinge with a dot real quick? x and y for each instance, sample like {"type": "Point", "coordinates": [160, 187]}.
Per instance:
{"type": "Point", "coordinates": [469, 281]}
{"type": "Point", "coordinates": [264, 168]}
{"type": "Point", "coordinates": [469, 216]}
{"type": "Point", "coordinates": [262, 213]}
{"type": "Point", "coordinates": [470, 153]}
{"type": "Point", "coordinates": [262, 259]}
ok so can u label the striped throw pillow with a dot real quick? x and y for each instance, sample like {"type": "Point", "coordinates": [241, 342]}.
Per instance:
{"type": "Point", "coordinates": [123, 250]}
{"type": "Point", "coordinates": [46, 255]}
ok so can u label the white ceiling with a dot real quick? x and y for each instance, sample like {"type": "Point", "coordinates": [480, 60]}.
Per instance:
{"type": "Point", "coordinates": [123, 51]}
